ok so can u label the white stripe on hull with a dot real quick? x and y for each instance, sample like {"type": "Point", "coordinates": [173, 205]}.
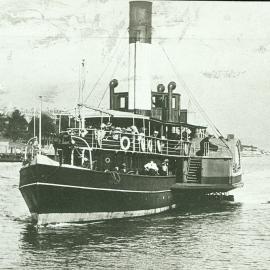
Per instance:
{"type": "Point", "coordinates": [92, 188]}
{"type": "Point", "coordinates": [43, 219]}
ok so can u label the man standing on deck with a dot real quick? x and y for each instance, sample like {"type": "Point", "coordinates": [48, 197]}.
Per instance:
{"type": "Point", "coordinates": [151, 168]}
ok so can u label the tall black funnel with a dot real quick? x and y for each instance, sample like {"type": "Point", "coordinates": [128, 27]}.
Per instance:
{"type": "Point", "coordinates": [140, 21]}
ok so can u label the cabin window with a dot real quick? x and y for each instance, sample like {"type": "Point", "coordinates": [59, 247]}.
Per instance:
{"type": "Point", "coordinates": [157, 101]}
{"type": "Point", "coordinates": [173, 103]}
{"type": "Point", "coordinates": [154, 101]}
{"type": "Point", "coordinates": [122, 102]}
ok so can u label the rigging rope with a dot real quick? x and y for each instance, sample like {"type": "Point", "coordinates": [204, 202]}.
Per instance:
{"type": "Point", "coordinates": [81, 80]}
{"type": "Point", "coordinates": [117, 65]}
{"type": "Point", "coordinates": [196, 103]}
{"type": "Point", "coordinates": [79, 84]}
{"type": "Point", "coordinates": [96, 109]}
{"type": "Point", "coordinates": [113, 54]}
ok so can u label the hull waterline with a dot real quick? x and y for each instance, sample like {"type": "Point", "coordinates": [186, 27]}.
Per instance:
{"type": "Point", "coordinates": [60, 194]}
{"type": "Point", "coordinates": [64, 194]}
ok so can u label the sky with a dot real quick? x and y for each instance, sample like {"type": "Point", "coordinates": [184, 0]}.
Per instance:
{"type": "Point", "coordinates": [220, 52]}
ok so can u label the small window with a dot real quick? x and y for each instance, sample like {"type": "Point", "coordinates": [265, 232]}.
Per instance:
{"type": "Point", "coordinates": [154, 101]}
{"type": "Point", "coordinates": [122, 102]}
{"type": "Point", "coordinates": [173, 103]}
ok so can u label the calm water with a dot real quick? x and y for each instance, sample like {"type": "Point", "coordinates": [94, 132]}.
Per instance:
{"type": "Point", "coordinates": [229, 236]}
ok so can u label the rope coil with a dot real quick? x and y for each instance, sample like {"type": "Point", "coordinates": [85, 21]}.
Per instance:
{"type": "Point", "coordinates": [116, 178]}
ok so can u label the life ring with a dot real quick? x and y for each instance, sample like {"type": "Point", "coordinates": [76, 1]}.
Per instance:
{"type": "Point", "coordinates": [107, 160]}
{"type": "Point", "coordinates": [150, 145]}
{"type": "Point", "coordinates": [159, 148]}
{"type": "Point", "coordinates": [142, 144]}
{"type": "Point", "coordinates": [122, 143]}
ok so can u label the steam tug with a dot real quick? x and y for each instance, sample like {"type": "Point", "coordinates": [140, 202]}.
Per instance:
{"type": "Point", "coordinates": [139, 157]}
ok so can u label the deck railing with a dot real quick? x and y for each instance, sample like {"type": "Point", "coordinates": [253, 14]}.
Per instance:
{"type": "Point", "coordinates": [31, 149]}
{"type": "Point", "coordinates": [131, 142]}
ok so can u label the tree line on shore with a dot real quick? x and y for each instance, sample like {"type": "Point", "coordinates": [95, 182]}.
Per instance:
{"type": "Point", "coordinates": [16, 128]}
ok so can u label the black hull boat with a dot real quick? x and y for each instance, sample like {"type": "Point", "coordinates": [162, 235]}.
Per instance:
{"type": "Point", "coordinates": [139, 157]}
{"type": "Point", "coordinates": [57, 193]}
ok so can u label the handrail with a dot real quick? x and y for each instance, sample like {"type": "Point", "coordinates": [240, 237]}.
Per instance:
{"type": "Point", "coordinates": [206, 149]}
{"type": "Point", "coordinates": [130, 133]}
{"type": "Point", "coordinates": [89, 149]}
{"type": "Point", "coordinates": [188, 167]}
{"type": "Point", "coordinates": [111, 140]}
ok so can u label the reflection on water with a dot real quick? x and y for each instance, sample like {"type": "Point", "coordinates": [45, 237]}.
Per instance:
{"type": "Point", "coordinates": [111, 231]}
{"type": "Point", "coordinates": [207, 236]}
{"type": "Point", "coordinates": [120, 242]}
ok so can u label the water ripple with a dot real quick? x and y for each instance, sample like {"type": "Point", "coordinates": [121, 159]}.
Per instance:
{"type": "Point", "coordinates": [210, 236]}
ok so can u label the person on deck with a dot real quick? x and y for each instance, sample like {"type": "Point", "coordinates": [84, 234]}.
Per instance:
{"type": "Point", "coordinates": [116, 133]}
{"type": "Point", "coordinates": [155, 134]}
{"type": "Point", "coordinates": [108, 125]}
{"type": "Point", "coordinates": [151, 168]}
{"type": "Point", "coordinates": [142, 132]}
{"type": "Point", "coordinates": [134, 130]}
{"type": "Point", "coordinates": [102, 126]}
{"type": "Point", "coordinates": [123, 168]}
{"type": "Point", "coordinates": [164, 167]}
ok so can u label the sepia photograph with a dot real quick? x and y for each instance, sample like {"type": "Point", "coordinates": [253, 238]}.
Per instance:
{"type": "Point", "coordinates": [134, 134]}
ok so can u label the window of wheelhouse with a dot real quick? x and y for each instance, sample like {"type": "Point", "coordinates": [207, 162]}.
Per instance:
{"type": "Point", "coordinates": [154, 101]}
{"type": "Point", "coordinates": [173, 103]}
{"type": "Point", "coordinates": [122, 102]}
{"type": "Point", "coordinates": [157, 101]}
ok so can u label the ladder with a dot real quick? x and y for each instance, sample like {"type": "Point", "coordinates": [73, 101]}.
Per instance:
{"type": "Point", "coordinates": [194, 170]}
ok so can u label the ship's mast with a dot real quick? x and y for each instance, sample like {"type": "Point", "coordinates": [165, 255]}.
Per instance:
{"type": "Point", "coordinates": [81, 97]}
{"type": "Point", "coordinates": [39, 134]}
{"type": "Point", "coordinates": [134, 79]}
{"type": "Point", "coordinates": [35, 121]}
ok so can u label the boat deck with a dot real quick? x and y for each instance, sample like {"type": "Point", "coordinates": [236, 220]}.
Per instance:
{"type": "Point", "coordinates": [205, 187]}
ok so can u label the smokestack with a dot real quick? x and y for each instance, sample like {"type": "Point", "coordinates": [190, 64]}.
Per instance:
{"type": "Point", "coordinates": [140, 37]}
{"type": "Point", "coordinates": [140, 21]}
{"type": "Point", "coordinates": [171, 87]}
{"type": "Point", "coordinates": [113, 84]}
